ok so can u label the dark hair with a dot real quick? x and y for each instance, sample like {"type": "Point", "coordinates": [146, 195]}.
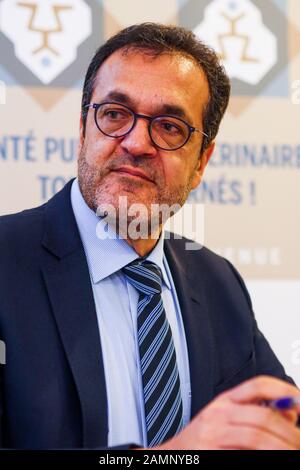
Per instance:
{"type": "Point", "coordinates": [159, 39]}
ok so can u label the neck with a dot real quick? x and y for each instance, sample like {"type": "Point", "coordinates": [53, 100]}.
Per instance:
{"type": "Point", "coordinates": [144, 246]}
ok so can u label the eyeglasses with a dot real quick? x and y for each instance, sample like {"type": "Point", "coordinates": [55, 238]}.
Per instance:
{"type": "Point", "coordinates": [166, 132]}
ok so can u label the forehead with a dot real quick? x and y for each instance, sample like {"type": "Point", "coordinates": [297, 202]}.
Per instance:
{"type": "Point", "coordinates": [153, 81]}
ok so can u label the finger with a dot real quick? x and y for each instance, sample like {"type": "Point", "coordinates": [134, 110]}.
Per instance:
{"type": "Point", "coordinates": [290, 415]}
{"type": "Point", "coordinates": [262, 388]}
{"type": "Point", "coordinates": [267, 420]}
{"type": "Point", "coordinates": [250, 438]}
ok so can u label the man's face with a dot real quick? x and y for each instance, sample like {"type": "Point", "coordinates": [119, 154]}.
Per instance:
{"type": "Point", "coordinates": [148, 85]}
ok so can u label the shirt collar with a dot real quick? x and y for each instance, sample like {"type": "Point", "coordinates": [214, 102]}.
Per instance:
{"type": "Point", "coordinates": [109, 255]}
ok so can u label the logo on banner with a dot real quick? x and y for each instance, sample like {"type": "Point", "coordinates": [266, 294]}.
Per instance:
{"type": "Point", "coordinates": [255, 40]}
{"type": "Point", "coordinates": [46, 35]}
{"type": "Point", "coordinates": [235, 29]}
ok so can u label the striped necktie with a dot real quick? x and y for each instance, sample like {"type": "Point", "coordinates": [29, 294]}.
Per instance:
{"type": "Point", "coordinates": [160, 376]}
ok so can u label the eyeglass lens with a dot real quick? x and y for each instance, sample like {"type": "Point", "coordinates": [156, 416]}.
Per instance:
{"type": "Point", "coordinates": [116, 120]}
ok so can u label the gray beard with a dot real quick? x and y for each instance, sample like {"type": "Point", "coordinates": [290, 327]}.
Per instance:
{"type": "Point", "coordinates": [94, 190]}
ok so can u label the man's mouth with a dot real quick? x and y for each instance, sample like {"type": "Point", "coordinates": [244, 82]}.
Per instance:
{"type": "Point", "coordinates": [132, 172]}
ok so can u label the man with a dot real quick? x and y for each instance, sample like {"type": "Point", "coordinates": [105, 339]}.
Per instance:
{"type": "Point", "coordinates": [126, 340]}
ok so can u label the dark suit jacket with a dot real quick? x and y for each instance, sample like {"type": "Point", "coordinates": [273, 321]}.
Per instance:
{"type": "Point", "coordinates": [53, 391]}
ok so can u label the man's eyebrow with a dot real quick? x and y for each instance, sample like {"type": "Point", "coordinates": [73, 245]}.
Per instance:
{"type": "Point", "coordinates": [175, 110]}
{"type": "Point", "coordinates": [165, 108]}
{"type": "Point", "coordinates": [119, 97]}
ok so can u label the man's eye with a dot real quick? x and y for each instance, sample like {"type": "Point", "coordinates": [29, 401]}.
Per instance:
{"type": "Point", "coordinates": [112, 114]}
{"type": "Point", "coordinates": [170, 127]}
{"type": "Point", "coordinates": [115, 114]}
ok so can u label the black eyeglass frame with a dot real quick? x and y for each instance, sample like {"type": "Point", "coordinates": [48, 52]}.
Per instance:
{"type": "Point", "coordinates": [190, 128]}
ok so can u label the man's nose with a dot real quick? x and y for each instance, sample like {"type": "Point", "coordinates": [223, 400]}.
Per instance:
{"type": "Point", "coordinates": [138, 141]}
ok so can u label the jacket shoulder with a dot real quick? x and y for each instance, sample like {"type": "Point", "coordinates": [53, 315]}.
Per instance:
{"type": "Point", "coordinates": [21, 229]}
{"type": "Point", "coordinates": [20, 241]}
{"type": "Point", "coordinates": [219, 272]}
{"type": "Point", "coordinates": [192, 252]}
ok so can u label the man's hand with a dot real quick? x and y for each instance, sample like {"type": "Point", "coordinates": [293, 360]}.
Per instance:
{"type": "Point", "coordinates": [236, 420]}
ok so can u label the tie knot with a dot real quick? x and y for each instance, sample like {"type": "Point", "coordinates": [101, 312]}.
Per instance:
{"type": "Point", "coordinates": [144, 276]}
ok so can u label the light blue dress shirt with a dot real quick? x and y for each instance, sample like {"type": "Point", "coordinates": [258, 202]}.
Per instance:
{"type": "Point", "coordinates": [116, 306]}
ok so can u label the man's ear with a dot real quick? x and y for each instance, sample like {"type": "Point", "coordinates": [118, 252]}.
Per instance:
{"type": "Point", "coordinates": [81, 134]}
{"type": "Point", "coordinates": [202, 162]}
{"type": "Point", "coordinates": [81, 131]}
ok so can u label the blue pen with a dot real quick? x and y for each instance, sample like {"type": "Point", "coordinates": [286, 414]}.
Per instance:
{"type": "Point", "coordinates": [284, 403]}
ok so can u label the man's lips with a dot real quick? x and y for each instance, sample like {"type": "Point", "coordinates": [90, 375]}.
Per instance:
{"type": "Point", "coordinates": [133, 172]}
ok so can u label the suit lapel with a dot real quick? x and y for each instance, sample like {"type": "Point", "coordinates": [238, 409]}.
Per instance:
{"type": "Point", "coordinates": [68, 284]}
{"type": "Point", "coordinates": [194, 309]}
